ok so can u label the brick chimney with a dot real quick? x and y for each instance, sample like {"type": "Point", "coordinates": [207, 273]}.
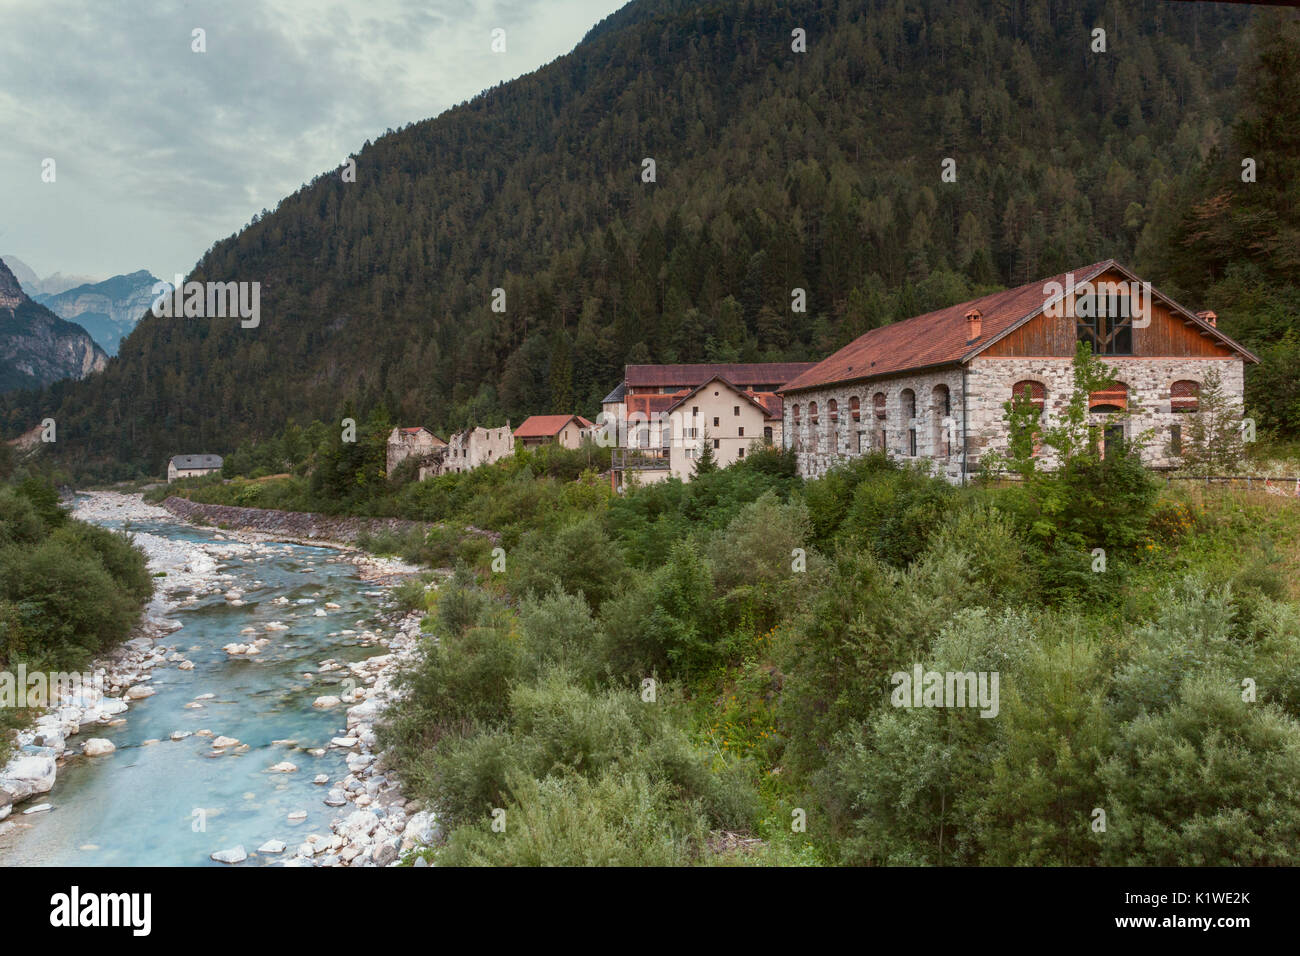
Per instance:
{"type": "Point", "coordinates": [1209, 317]}
{"type": "Point", "coordinates": [973, 325]}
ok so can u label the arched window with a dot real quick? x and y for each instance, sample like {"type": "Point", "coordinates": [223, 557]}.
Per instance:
{"type": "Point", "coordinates": [812, 412]}
{"type": "Point", "coordinates": [1185, 396]}
{"type": "Point", "coordinates": [1036, 392]}
{"type": "Point", "coordinates": [878, 405]}
{"type": "Point", "coordinates": [1113, 398]}
{"type": "Point", "coordinates": [794, 413]}
{"type": "Point", "coordinates": [833, 410]}
{"type": "Point", "coordinates": [854, 408]}
{"type": "Point", "coordinates": [940, 416]}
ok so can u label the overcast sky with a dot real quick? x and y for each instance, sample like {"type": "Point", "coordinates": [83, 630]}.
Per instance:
{"type": "Point", "coordinates": [160, 151]}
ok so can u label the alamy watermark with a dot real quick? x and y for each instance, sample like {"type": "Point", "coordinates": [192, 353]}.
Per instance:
{"type": "Point", "coordinates": [209, 300]}
{"type": "Point", "coordinates": [19, 688]}
{"type": "Point", "coordinates": [922, 688]}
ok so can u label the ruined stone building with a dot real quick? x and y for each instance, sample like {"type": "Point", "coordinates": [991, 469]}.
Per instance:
{"type": "Point", "coordinates": [417, 442]}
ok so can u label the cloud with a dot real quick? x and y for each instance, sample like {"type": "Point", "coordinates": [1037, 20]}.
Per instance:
{"type": "Point", "coordinates": [160, 151]}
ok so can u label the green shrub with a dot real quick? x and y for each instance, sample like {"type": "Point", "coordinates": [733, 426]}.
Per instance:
{"type": "Point", "coordinates": [578, 559]}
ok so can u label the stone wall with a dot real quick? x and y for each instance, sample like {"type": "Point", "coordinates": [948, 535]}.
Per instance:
{"type": "Point", "coordinates": [821, 447]}
{"type": "Point", "coordinates": [990, 381]}
{"type": "Point", "coordinates": [295, 525]}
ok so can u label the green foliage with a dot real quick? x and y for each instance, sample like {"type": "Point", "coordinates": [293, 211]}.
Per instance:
{"type": "Point", "coordinates": [1077, 496]}
{"type": "Point", "coordinates": [1212, 439]}
{"type": "Point", "coordinates": [579, 559]}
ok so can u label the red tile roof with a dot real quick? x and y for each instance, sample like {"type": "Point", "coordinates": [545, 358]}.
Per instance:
{"type": "Point", "coordinates": [547, 426]}
{"type": "Point", "coordinates": [648, 405]}
{"type": "Point", "coordinates": [689, 376]}
{"type": "Point", "coordinates": [941, 337]}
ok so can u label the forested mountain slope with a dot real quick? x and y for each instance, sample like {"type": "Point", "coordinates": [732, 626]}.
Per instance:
{"type": "Point", "coordinates": [774, 170]}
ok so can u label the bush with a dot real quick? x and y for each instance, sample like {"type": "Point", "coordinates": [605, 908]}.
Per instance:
{"type": "Point", "coordinates": [578, 559]}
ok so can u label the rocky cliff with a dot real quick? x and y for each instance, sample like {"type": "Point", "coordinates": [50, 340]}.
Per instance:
{"type": "Point", "coordinates": [108, 310]}
{"type": "Point", "coordinates": [37, 347]}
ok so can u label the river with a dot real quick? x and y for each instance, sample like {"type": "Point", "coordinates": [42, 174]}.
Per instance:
{"type": "Point", "coordinates": [159, 801]}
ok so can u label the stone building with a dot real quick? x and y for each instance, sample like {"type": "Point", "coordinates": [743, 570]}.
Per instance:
{"type": "Point", "coordinates": [933, 388]}
{"type": "Point", "coordinates": [418, 443]}
{"type": "Point", "coordinates": [192, 466]}
{"type": "Point", "coordinates": [469, 449]}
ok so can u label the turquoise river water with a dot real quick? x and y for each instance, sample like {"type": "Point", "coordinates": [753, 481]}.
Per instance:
{"type": "Point", "coordinates": [138, 805]}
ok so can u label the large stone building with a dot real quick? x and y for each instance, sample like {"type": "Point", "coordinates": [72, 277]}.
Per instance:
{"type": "Point", "coordinates": [417, 442]}
{"type": "Point", "coordinates": [659, 415]}
{"type": "Point", "coordinates": [934, 387]}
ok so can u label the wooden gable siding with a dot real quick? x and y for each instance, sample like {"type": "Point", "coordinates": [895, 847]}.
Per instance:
{"type": "Point", "coordinates": [1166, 336]}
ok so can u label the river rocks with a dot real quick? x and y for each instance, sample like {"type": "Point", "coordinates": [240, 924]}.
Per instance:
{"type": "Point", "coordinates": [358, 762]}
{"type": "Point", "coordinates": [364, 712]}
{"type": "Point", "coordinates": [26, 776]}
{"type": "Point", "coordinates": [223, 742]}
{"type": "Point", "coordinates": [272, 847]}
{"type": "Point", "coordinates": [321, 779]}
{"type": "Point", "coordinates": [385, 854]}
{"type": "Point", "coordinates": [296, 815]}
{"type": "Point", "coordinates": [139, 692]}
{"type": "Point", "coordinates": [336, 798]}
{"type": "Point", "coordinates": [6, 803]}
{"type": "Point", "coordinates": [346, 743]}
{"type": "Point", "coordinates": [324, 703]}
{"type": "Point", "coordinates": [98, 747]}
{"type": "Point", "coordinates": [39, 808]}
{"type": "Point", "coordinates": [233, 855]}
{"type": "Point", "coordinates": [277, 626]}
{"type": "Point", "coordinates": [283, 767]}
{"type": "Point", "coordinates": [180, 734]}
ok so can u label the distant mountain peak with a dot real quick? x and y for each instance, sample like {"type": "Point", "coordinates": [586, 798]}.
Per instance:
{"type": "Point", "coordinates": [11, 291]}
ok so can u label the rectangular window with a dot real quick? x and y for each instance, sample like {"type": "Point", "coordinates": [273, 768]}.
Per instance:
{"type": "Point", "coordinates": [716, 443]}
{"type": "Point", "coordinates": [1106, 323]}
{"type": "Point", "coordinates": [1175, 439]}
{"type": "Point", "coordinates": [740, 453]}
{"type": "Point", "coordinates": [735, 410]}
{"type": "Point", "coordinates": [742, 431]}
{"type": "Point", "coordinates": [911, 442]}
{"type": "Point", "coordinates": [715, 422]}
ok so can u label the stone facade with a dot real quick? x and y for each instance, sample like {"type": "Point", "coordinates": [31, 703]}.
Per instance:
{"type": "Point", "coordinates": [469, 449]}
{"type": "Point", "coordinates": [933, 424]}
{"type": "Point", "coordinates": [1148, 382]}
{"type": "Point", "coordinates": [404, 443]}
{"type": "Point", "coordinates": [980, 416]}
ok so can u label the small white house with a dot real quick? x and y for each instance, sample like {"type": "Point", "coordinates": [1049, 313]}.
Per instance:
{"type": "Point", "coordinates": [192, 466]}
